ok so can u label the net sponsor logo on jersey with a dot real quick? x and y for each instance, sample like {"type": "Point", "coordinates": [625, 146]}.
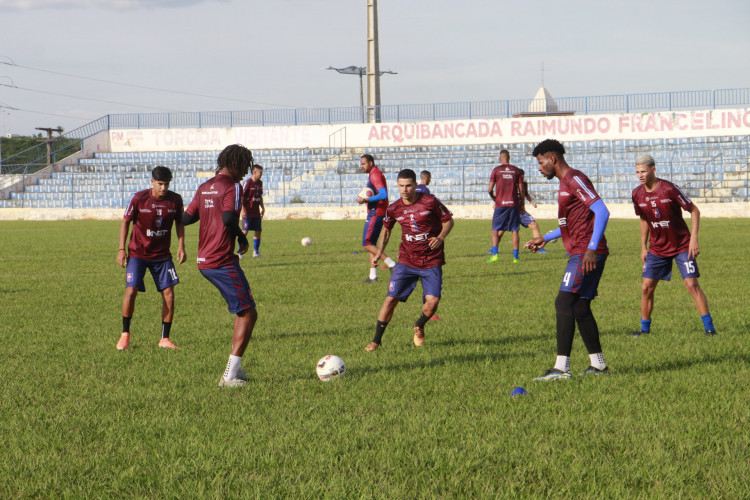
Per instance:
{"type": "Point", "coordinates": [663, 224]}
{"type": "Point", "coordinates": [156, 234]}
{"type": "Point", "coordinates": [417, 237]}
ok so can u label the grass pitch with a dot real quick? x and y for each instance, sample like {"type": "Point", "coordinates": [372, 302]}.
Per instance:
{"type": "Point", "coordinates": [79, 419]}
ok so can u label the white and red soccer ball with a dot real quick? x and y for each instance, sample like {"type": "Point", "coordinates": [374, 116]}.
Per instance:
{"type": "Point", "coordinates": [366, 193]}
{"type": "Point", "coordinates": [306, 241]}
{"type": "Point", "coordinates": [330, 367]}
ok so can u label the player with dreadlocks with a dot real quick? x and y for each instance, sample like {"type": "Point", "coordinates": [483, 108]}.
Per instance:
{"type": "Point", "coordinates": [217, 205]}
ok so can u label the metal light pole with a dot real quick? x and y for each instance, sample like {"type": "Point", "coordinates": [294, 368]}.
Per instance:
{"type": "Point", "coordinates": [361, 71]}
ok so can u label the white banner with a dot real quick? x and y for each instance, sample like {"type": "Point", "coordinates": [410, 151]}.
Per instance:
{"type": "Point", "coordinates": [435, 133]}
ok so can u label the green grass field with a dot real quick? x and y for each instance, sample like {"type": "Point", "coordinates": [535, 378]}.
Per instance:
{"type": "Point", "coordinates": [79, 419]}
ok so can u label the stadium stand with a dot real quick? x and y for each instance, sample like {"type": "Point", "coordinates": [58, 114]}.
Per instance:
{"type": "Point", "coordinates": [713, 169]}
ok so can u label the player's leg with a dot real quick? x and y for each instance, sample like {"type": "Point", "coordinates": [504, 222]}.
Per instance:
{"type": "Point", "coordinates": [165, 278]}
{"type": "Point", "coordinates": [231, 282]}
{"type": "Point", "coordinates": [689, 269]}
{"type": "Point", "coordinates": [565, 330]}
{"type": "Point", "coordinates": [257, 228]}
{"type": "Point", "coordinates": [402, 283]}
{"type": "Point", "coordinates": [497, 224]}
{"type": "Point", "coordinates": [648, 288]}
{"type": "Point", "coordinates": [586, 287]}
{"type": "Point", "coordinates": [134, 273]}
{"type": "Point", "coordinates": [370, 236]}
{"type": "Point", "coordinates": [516, 242]}
{"type": "Point", "coordinates": [432, 289]}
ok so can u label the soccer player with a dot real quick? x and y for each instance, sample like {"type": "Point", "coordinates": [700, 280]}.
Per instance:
{"type": "Point", "coordinates": [583, 219]}
{"type": "Point", "coordinates": [506, 184]}
{"type": "Point", "coordinates": [252, 207]}
{"type": "Point", "coordinates": [376, 207]}
{"type": "Point", "coordinates": [152, 212]}
{"type": "Point", "coordinates": [424, 180]}
{"type": "Point", "coordinates": [526, 220]}
{"type": "Point", "coordinates": [425, 222]}
{"type": "Point", "coordinates": [664, 238]}
{"type": "Point", "coordinates": [217, 204]}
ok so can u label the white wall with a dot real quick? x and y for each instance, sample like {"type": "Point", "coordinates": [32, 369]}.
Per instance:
{"type": "Point", "coordinates": [626, 126]}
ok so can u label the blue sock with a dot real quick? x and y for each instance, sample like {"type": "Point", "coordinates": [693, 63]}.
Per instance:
{"type": "Point", "coordinates": [646, 325]}
{"type": "Point", "coordinates": [515, 253]}
{"type": "Point", "coordinates": [494, 250]}
{"type": "Point", "coordinates": [256, 244]}
{"type": "Point", "coordinates": [708, 322]}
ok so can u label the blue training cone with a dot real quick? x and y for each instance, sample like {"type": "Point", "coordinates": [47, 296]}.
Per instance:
{"type": "Point", "coordinates": [519, 391]}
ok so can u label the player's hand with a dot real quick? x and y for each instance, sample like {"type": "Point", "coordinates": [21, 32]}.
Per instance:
{"type": "Point", "coordinates": [375, 258]}
{"type": "Point", "coordinates": [644, 254]}
{"type": "Point", "coordinates": [122, 258]}
{"type": "Point", "coordinates": [361, 200]}
{"type": "Point", "coordinates": [589, 261]}
{"type": "Point", "coordinates": [435, 242]}
{"type": "Point", "coordinates": [535, 244]}
{"type": "Point", "coordinates": [533, 203]}
{"type": "Point", "coordinates": [694, 249]}
{"type": "Point", "coordinates": [181, 255]}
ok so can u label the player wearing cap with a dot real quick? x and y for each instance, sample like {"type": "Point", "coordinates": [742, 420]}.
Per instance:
{"type": "Point", "coordinates": [583, 217]}
{"type": "Point", "coordinates": [425, 222]}
{"type": "Point", "coordinates": [152, 213]}
{"type": "Point", "coordinates": [665, 237]}
{"type": "Point", "coordinates": [376, 207]}
{"type": "Point", "coordinates": [217, 205]}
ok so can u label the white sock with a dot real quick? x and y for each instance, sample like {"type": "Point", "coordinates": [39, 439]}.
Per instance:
{"type": "Point", "coordinates": [233, 367]}
{"type": "Point", "coordinates": [373, 273]}
{"type": "Point", "coordinates": [597, 361]}
{"type": "Point", "coordinates": [389, 262]}
{"type": "Point", "coordinates": [563, 363]}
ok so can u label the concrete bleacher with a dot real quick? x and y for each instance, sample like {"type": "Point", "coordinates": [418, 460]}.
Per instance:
{"type": "Point", "coordinates": [708, 168]}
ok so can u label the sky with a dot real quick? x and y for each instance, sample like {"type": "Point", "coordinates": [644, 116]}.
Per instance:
{"type": "Point", "coordinates": [65, 63]}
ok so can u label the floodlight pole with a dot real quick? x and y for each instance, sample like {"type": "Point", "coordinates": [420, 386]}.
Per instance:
{"type": "Point", "coordinates": [373, 63]}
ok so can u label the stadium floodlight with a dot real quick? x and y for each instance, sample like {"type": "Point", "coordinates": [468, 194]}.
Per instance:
{"type": "Point", "coordinates": [361, 71]}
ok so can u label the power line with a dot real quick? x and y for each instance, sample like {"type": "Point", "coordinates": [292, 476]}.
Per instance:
{"type": "Point", "coordinates": [145, 87]}
{"type": "Point", "coordinates": [85, 98]}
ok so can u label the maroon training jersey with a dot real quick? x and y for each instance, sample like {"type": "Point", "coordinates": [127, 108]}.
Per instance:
{"type": "Point", "coordinates": [419, 221]}
{"type": "Point", "coordinates": [375, 181]}
{"type": "Point", "coordinates": [211, 200]}
{"type": "Point", "coordinates": [252, 195]}
{"type": "Point", "coordinates": [662, 209]}
{"type": "Point", "coordinates": [507, 178]}
{"type": "Point", "coordinates": [152, 224]}
{"type": "Point", "coordinates": [576, 220]}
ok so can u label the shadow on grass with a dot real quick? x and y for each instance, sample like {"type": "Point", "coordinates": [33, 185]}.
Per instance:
{"type": "Point", "coordinates": [493, 341]}
{"type": "Point", "coordinates": [684, 363]}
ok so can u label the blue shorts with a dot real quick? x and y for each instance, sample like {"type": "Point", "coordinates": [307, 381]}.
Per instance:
{"type": "Point", "coordinates": [231, 282]}
{"type": "Point", "coordinates": [404, 280]}
{"type": "Point", "coordinates": [660, 268]}
{"type": "Point", "coordinates": [252, 224]}
{"type": "Point", "coordinates": [526, 219]}
{"type": "Point", "coordinates": [585, 285]}
{"type": "Point", "coordinates": [371, 233]}
{"type": "Point", "coordinates": [162, 271]}
{"type": "Point", "coordinates": [506, 219]}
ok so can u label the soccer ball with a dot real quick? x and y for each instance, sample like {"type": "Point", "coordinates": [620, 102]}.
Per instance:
{"type": "Point", "coordinates": [329, 367]}
{"type": "Point", "coordinates": [365, 193]}
{"type": "Point", "coordinates": [306, 242]}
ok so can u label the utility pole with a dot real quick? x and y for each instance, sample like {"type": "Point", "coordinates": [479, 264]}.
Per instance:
{"type": "Point", "coordinates": [373, 63]}
{"type": "Point", "coordinates": [49, 141]}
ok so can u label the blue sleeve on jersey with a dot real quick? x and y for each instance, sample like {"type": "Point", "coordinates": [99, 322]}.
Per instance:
{"type": "Point", "coordinates": [601, 216]}
{"type": "Point", "coordinates": [382, 195]}
{"type": "Point", "coordinates": [552, 235]}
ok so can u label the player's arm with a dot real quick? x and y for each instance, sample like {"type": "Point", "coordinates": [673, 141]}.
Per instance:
{"type": "Point", "coordinates": [437, 241]}
{"type": "Point", "coordinates": [695, 222]}
{"type": "Point", "coordinates": [536, 244]}
{"type": "Point", "coordinates": [528, 195]}
{"type": "Point", "coordinates": [522, 191]}
{"type": "Point", "coordinates": [601, 216]}
{"type": "Point", "coordinates": [385, 235]}
{"type": "Point", "coordinates": [491, 189]}
{"type": "Point", "coordinates": [262, 207]}
{"type": "Point", "coordinates": [188, 219]}
{"type": "Point", "coordinates": [122, 254]}
{"type": "Point", "coordinates": [381, 195]}
{"type": "Point", "coordinates": [644, 239]}
{"type": "Point", "coordinates": [180, 230]}
{"type": "Point", "coordinates": [231, 221]}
